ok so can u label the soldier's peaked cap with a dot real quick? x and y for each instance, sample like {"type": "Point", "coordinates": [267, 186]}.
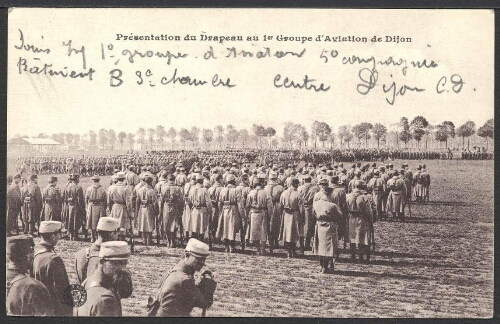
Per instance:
{"type": "Point", "coordinates": [120, 175]}
{"type": "Point", "coordinates": [197, 248]}
{"type": "Point", "coordinates": [20, 244]}
{"type": "Point", "coordinates": [114, 250]}
{"type": "Point", "coordinates": [108, 224]}
{"type": "Point", "coordinates": [95, 177]}
{"type": "Point", "coordinates": [49, 227]}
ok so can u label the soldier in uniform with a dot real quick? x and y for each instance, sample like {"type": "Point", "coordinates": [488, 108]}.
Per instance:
{"type": "Point", "coordinates": [14, 205]}
{"type": "Point", "coordinates": [292, 205]}
{"type": "Point", "coordinates": [360, 219]}
{"type": "Point", "coordinates": [52, 201]}
{"type": "Point", "coordinates": [328, 216]}
{"type": "Point", "coordinates": [244, 189]}
{"type": "Point", "coordinates": [214, 192]}
{"type": "Point", "coordinates": [148, 209]}
{"type": "Point", "coordinates": [338, 197]}
{"type": "Point", "coordinates": [186, 215]}
{"type": "Point", "coordinates": [274, 189]}
{"type": "Point", "coordinates": [74, 199]}
{"type": "Point", "coordinates": [230, 221]}
{"type": "Point", "coordinates": [376, 186]}
{"type": "Point", "coordinates": [119, 203]}
{"type": "Point", "coordinates": [87, 259]}
{"type": "Point", "coordinates": [25, 296]}
{"type": "Point", "coordinates": [259, 207]}
{"type": "Point", "coordinates": [48, 267]}
{"type": "Point", "coordinates": [201, 209]}
{"type": "Point", "coordinates": [96, 200]}
{"type": "Point", "coordinates": [32, 205]}
{"type": "Point", "coordinates": [172, 201]}
{"type": "Point", "coordinates": [178, 294]}
{"type": "Point", "coordinates": [103, 296]}
{"type": "Point", "coordinates": [397, 195]}
{"type": "Point", "coordinates": [307, 190]}
{"type": "Point", "coordinates": [131, 178]}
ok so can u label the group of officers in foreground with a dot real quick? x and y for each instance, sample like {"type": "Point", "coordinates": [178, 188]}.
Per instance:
{"type": "Point", "coordinates": [317, 205]}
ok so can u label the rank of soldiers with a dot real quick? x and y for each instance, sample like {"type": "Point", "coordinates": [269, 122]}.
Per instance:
{"type": "Point", "coordinates": [310, 208]}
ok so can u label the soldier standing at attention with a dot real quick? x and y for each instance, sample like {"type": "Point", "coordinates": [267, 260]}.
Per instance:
{"type": "Point", "coordinates": [32, 205]}
{"type": "Point", "coordinates": [48, 267]}
{"type": "Point", "coordinates": [148, 209]}
{"type": "Point", "coordinates": [95, 198]}
{"type": "Point", "coordinates": [230, 222]}
{"type": "Point", "coordinates": [119, 203]}
{"type": "Point", "coordinates": [103, 297]}
{"type": "Point", "coordinates": [14, 205]}
{"type": "Point", "coordinates": [293, 217]}
{"type": "Point", "coordinates": [52, 201]}
{"type": "Point", "coordinates": [179, 294]}
{"type": "Point", "coordinates": [25, 296]}
{"type": "Point", "coordinates": [307, 190]}
{"type": "Point", "coordinates": [274, 189]}
{"type": "Point", "coordinates": [201, 208]}
{"type": "Point", "coordinates": [87, 259]}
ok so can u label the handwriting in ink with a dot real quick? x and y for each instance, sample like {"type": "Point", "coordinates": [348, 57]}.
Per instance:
{"type": "Point", "coordinates": [306, 84]}
{"type": "Point", "coordinates": [30, 47]}
{"type": "Point", "coordinates": [72, 50]}
{"type": "Point", "coordinates": [266, 52]}
{"type": "Point", "coordinates": [369, 80]}
{"type": "Point", "coordinates": [393, 91]}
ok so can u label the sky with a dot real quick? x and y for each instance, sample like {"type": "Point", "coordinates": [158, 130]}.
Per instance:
{"type": "Point", "coordinates": [460, 42]}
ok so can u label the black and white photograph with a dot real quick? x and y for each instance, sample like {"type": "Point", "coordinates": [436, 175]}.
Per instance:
{"type": "Point", "coordinates": [250, 162]}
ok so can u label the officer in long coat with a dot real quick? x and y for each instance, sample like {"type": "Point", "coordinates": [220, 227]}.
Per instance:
{"type": "Point", "coordinates": [32, 205]}
{"type": "Point", "coordinates": [244, 189]}
{"type": "Point", "coordinates": [397, 195]}
{"type": "Point", "coordinates": [376, 186]}
{"type": "Point", "coordinates": [119, 203]}
{"type": "Point", "coordinates": [214, 192]}
{"type": "Point", "coordinates": [87, 259]}
{"type": "Point", "coordinates": [52, 201]}
{"type": "Point", "coordinates": [74, 199]}
{"type": "Point", "coordinates": [14, 205]}
{"type": "Point", "coordinates": [292, 205]}
{"type": "Point", "coordinates": [201, 208]}
{"type": "Point", "coordinates": [230, 221]}
{"type": "Point", "coordinates": [360, 219]}
{"type": "Point", "coordinates": [103, 298]}
{"type": "Point", "coordinates": [25, 296]}
{"type": "Point", "coordinates": [186, 215]}
{"type": "Point", "coordinates": [172, 201]}
{"type": "Point", "coordinates": [259, 207]}
{"type": "Point", "coordinates": [338, 197]}
{"type": "Point", "coordinates": [96, 200]}
{"type": "Point", "coordinates": [325, 245]}
{"type": "Point", "coordinates": [308, 190]}
{"type": "Point", "coordinates": [48, 267]}
{"type": "Point", "coordinates": [274, 189]}
{"type": "Point", "coordinates": [148, 209]}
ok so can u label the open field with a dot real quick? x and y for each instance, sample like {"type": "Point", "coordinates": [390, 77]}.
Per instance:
{"type": "Point", "coordinates": [437, 264]}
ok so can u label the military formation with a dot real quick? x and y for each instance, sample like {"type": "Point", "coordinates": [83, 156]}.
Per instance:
{"type": "Point", "coordinates": [198, 203]}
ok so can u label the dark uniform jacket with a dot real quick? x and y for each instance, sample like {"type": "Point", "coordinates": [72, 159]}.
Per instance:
{"type": "Point", "coordinates": [87, 261]}
{"type": "Point", "coordinates": [27, 296]}
{"type": "Point", "coordinates": [49, 269]}
{"type": "Point", "coordinates": [179, 294]}
{"type": "Point", "coordinates": [102, 300]}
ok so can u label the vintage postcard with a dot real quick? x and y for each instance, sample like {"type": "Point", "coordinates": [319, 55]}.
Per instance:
{"type": "Point", "coordinates": [250, 162]}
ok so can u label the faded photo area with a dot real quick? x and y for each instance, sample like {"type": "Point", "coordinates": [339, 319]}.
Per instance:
{"type": "Point", "coordinates": [250, 163]}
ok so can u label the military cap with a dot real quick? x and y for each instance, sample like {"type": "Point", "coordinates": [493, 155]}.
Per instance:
{"type": "Point", "coordinates": [306, 177]}
{"type": "Point", "coordinates": [230, 178]}
{"type": "Point", "coordinates": [360, 184]}
{"type": "Point", "coordinates": [261, 175]}
{"type": "Point", "coordinates": [245, 170]}
{"type": "Point", "coordinates": [382, 168]}
{"type": "Point", "coordinates": [50, 227]}
{"type": "Point", "coordinates": [116, 170]}
{"type": "Point", "coordinates": [171, 177]}
{"type": "Point", "coordinates": [20, 244]}
{"type": "Point", "coordinates": [114, 178]}
{"type": "Point", "coordinates": [182, 168]}
{"type": "Point", "coordinates": [335, 165]}
{"type": "Point", "coordinates": [391, 165]}
{"type": "Point", "coordinates": [404, 165]}
{"type": "Point", "coordinates": [377, 172]}
{"type": "Point", "coordinates": [52, 179]}
{"type": "Point", "coordinates": [323, 182]}
{"type": "Point", "coordinates": [114, 250]}
{"type": "Point", "coordinates": [197, 248]}
{"type": "Point", "coordinates": [197, 170]}
{"type": "Point", "coordinates": [199, 177]}
{"type": "Point", "coordinates": [95, 177]}
{"type": "Point", "coordinates": [374, 164]}
{"type": "Point", "coordinates": [17, 176]}
{"type": "Point", "coordinates": [130, 166]}
{"type": "Point", "coordinates": [120, 175]}
{"type": "Point", "coordinates": [273, 175]}
{"type": "Point", "coordinates": [108, 224]}
{"type": "Point", "coordinates": [256, 181]}
{"type": "Point", "coordinates": [33, 177]}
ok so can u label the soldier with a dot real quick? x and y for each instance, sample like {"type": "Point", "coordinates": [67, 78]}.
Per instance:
{"type": "Point", "coordinates": [52, 201]}
{"type": "Point", "coordinates": [186, 216]}
{"type": "Point", "coordinates": [96, 200]}
{"type": "Point", "coordinates": [214, 192]}
{"type": "Point", "coordinates": [149, 209]}
{"type": "Point", "coordinates": [178, 294]}
{"type": "Point", "coordinates": [357, 176]}
{"type": "Point", "coordinates": [25, 296]}
{"type": "Point", "coordinates": [32, 205]}
{"type": "Point", "coordinates": [119, 204]}
{"type": "Point", "coordinates": [259, 207]}
{"type": "Point", "coordinates": [360, 218]}
{"type": "Point", "coordinates": [307, 190]}
{"type": "Point", "coordinates": [172, 200]}
{"type": "Point", "coordinates": [48, 267]}
{"type": "Point", "coordinates": [397, 195]}
{"type": "Point", "coordinates": [87, 259]}
{"type": "Point", "coordinates": [230, 222]}
{"type": "Point", "coordinates": [201, 209]}
{"type": "Point", "coordinates": [181, 179]}
{"type": "Point", "coordinates": [426, 182]}
{"type": "Point", "coordinates": [74, 199]}
{"type": "Point", "coordinates": [103, 297]}
{"type": "Point", "coordinates": [274, 189]}
{"type": "Point", "coordinates": [131, 178]}
{"type": "Point", "coordinates": [326, 241]}
{"type": "Point", "coordinates": [338, 197]}
{"type": "Point", "coordinates": [376, 186]}
{"type": "Point", "coordinates": [14, 205]}
{"type": "Point", "coordinates": [293, 217]}
{"type": "Point", "coordinates": [244, 189]}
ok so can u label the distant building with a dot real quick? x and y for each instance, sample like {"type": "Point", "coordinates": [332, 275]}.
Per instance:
{"type": "Point", "coordinates": [34, 144]}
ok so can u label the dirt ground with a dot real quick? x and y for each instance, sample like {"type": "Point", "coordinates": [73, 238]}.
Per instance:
{"type": "Point", "coordinates": [437, 264]}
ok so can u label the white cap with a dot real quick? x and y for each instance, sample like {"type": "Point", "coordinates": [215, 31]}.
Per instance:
{"type": "Point", "coordinates": [114, 250]}
{"type": "Point", "coordinates": [197, 248]}
{"type": "Point", "coordinates": [108, 224]}
{"type": "Point", "coordinates": [50, 227]}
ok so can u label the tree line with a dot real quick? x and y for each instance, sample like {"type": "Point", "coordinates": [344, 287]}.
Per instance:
{"type": "Point", "coordinates": [294, 135]}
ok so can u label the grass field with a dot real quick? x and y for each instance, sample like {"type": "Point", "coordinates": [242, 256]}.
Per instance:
{"type": "Point", "coordinates": [437, 264]}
